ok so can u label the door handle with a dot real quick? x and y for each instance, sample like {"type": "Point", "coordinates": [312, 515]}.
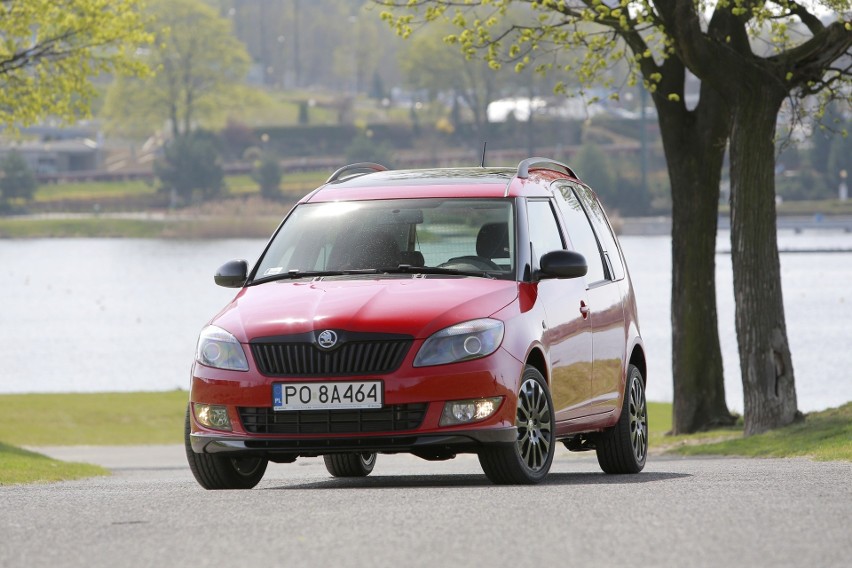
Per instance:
{"type": "Point", "coordinates": [584, 309]}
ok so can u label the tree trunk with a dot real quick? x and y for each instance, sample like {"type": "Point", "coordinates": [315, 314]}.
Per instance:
{"type": "Point", "coordinates": [769, 390]}
{"type": "Point", "coordinates": [694, 144]}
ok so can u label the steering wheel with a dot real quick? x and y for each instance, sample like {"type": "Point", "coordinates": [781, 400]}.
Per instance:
{"type": "Point", "coordinates": [476, 261]}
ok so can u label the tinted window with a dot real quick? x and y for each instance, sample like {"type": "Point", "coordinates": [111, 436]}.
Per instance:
{"type": "Point", "coordinates": [582, 237]}
{"type": "Point", "coordinates": [544, 231]}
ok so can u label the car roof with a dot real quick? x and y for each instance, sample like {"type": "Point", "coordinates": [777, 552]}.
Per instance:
{"type": "Point", "coordinates": [496, 182]}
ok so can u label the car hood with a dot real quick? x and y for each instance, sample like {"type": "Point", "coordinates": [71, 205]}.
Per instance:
{"type": "Point", "coordinates": [413, 306]}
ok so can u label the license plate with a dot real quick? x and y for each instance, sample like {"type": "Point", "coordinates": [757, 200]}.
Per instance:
{"type": "Point", "coordinates": [323, 396]}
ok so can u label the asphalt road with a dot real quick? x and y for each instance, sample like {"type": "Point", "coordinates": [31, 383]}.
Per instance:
{"type": "Point", "coordinates": [678, 512]}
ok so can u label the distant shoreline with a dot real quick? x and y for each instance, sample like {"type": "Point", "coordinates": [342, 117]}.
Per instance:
{"type": "Point", "coordinates": [662, 225]}
{"type": "Point", "coordinates": [252, 224]}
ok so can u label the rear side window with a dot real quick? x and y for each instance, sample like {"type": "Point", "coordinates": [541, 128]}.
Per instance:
{"type": "Point", "coordinates": [582, 237]}
{"type": "Point", "coordinates": [602, 228]}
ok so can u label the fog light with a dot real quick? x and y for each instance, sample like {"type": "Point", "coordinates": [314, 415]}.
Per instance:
{"type": "Point", "coordinates": [465, 411]}
{"type": "Point", "coordinates": [212, 416]}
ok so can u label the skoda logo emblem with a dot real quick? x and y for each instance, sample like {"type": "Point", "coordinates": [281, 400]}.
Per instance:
{"type": "Point", "coordinates": [327, 339]}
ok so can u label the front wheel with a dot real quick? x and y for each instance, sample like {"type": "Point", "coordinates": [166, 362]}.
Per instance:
{"type": "Point", "coordinates": [528, 460]}
{"type": "Point", "coordinates": [213, 471]}
{"type": "Point", "coordinates": [350, 465]}
{"type": "Point", "coordinates": [624, 447]}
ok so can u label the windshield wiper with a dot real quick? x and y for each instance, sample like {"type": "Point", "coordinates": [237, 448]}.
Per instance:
{"type": "Point", "coordinates": [295, 273]}
{"type": "Point", "coordinates": [401, 269]}
{"type": "Point", "coordinates": [408, 269]}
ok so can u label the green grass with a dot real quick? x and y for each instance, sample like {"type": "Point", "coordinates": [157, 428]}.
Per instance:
{"type": "Point", "coordinates": [291, 183]}
{"type": "Point", "coordinates": [659, 420]}
{"type": "Point", "coordinates": [88, 190]}
{"type": "Point", "coordinates": [295, 185]}
{"type": "Point", "coordinates": [19, 228]}
{"type": "Point", "coordinates": [823, 436]}
{"type": "Point", "coordinates": [22, 466]}
{"type": "Point", "coordinates": [81, 419]}
{"type": "Point", "coordinates": [93, 418]}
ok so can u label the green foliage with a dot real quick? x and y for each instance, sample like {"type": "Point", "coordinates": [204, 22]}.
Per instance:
{"type": "Point", "coordinates": [805, 184]}
{"type": "Point", "coordinates": [267, 173]}
{"type": "Point", "coordinates": [616, 190]}
{"type": "Point", "coordinates": [594, 167]}
{"type": "Point", "coordinates": [237, 137]}
{"type": "Point", "coordinates": [840, 158]}
{"type": "Point", "coordinates": [364, 148]}
{"type": "Point", "coordinates": [198, 66]}
{"type": "Point", "coordinates": [191, 167]}
{"type": "Point", "coordinates": [51, 50]}
{"type": "Point", "coordinates": [16, 178]}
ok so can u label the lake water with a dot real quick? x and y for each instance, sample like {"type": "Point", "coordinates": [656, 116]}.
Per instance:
{"type": "Point", "coordinates": [123, 314]}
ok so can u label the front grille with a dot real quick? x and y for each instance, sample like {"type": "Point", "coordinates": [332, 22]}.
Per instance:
{"type": "Point", "coordinates": [395, 418]}
{"type": "Point", "coordinates": [305, 359]}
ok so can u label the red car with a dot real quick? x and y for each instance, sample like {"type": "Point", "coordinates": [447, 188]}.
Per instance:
{"type": "Point", "coordinates": [433, 312]}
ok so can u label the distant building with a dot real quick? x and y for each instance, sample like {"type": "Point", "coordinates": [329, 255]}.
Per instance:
{"type": "Point", "coordinates": [52, 149]}
{"type": "Point", "coordinates": [47, 157]}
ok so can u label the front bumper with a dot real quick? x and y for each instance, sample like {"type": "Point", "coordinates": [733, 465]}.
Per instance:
{"type": "Point", "coordinates": [466, 441]}
{"type": "Point", "coordinates": [493, 376]}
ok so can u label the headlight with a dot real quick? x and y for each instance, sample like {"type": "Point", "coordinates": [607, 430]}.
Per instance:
{"type": "Point", "coordinates": [218, 348]}
{"type": "Point", "coordinates": [461, 342]}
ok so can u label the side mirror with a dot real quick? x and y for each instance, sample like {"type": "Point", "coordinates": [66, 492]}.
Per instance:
{"type": "Point", "coordinates": [232, 274]}
{"type": "Point", "coordinates": [563, 264]}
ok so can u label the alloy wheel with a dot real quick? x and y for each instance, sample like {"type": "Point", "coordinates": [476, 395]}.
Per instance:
{"type": "Point", "coordinates": [638, 420]}
{"type": "Point", "coordinates": [535, 425]}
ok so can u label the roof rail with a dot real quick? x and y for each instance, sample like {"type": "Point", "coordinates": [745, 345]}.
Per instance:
{"type": "Point", "coordinates": [545, 163]}
{"type": "Point", "coordinates": [360, 166]}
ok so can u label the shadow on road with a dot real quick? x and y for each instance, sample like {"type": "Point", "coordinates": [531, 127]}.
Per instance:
{"type": "Point", "coordinates": [467, 480]}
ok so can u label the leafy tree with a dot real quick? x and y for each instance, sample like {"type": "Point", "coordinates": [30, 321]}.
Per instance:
{"type": "Point", "coordinates": [742, 91]}
{"type": "Point", "coordinates": [198, 63]}
{"type": "Point", "coordinates": [191, 166]}
{"type": "Point", "coordinates": [333, 44]}
{"type": "Point", "coordinates": [51, 50]}
{"type": "Point", "coordinates": [429, 65]}
{"type": "Point", "coordinates": [756, 86]}
{"type": "Point", "coordinates": [17, 179]}
{"type": "Point", "coordinates": [267, 173]}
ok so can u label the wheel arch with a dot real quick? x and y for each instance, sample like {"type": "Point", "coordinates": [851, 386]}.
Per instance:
{"type": "Point", "coordinates": [637, 359]}
{"type": "Point", "coordinates": [536, 359]}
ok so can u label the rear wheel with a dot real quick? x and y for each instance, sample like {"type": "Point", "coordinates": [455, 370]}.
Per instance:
{"type": "Point", "coordinates": [624, 447]}
{"type": "Point", "coordinates": [528, 460]}
{"type": "Point", "coordinates": [213, 471]}
{"type": "Point", "coordinates": [350, 465]}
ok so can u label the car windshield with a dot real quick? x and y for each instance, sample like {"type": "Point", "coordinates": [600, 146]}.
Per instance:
{"type": "Point", "coordinates": [432, 236]}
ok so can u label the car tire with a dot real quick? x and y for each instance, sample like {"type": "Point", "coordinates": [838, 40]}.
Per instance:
{"type": "Point", "coordinates": [624, 447]}
{"type": "Point", "coordinates": [213, 471]}
{"type": "Point", "coordinates": [528, 460]}
{"type": "Point", "coordinates": [350, 465]}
